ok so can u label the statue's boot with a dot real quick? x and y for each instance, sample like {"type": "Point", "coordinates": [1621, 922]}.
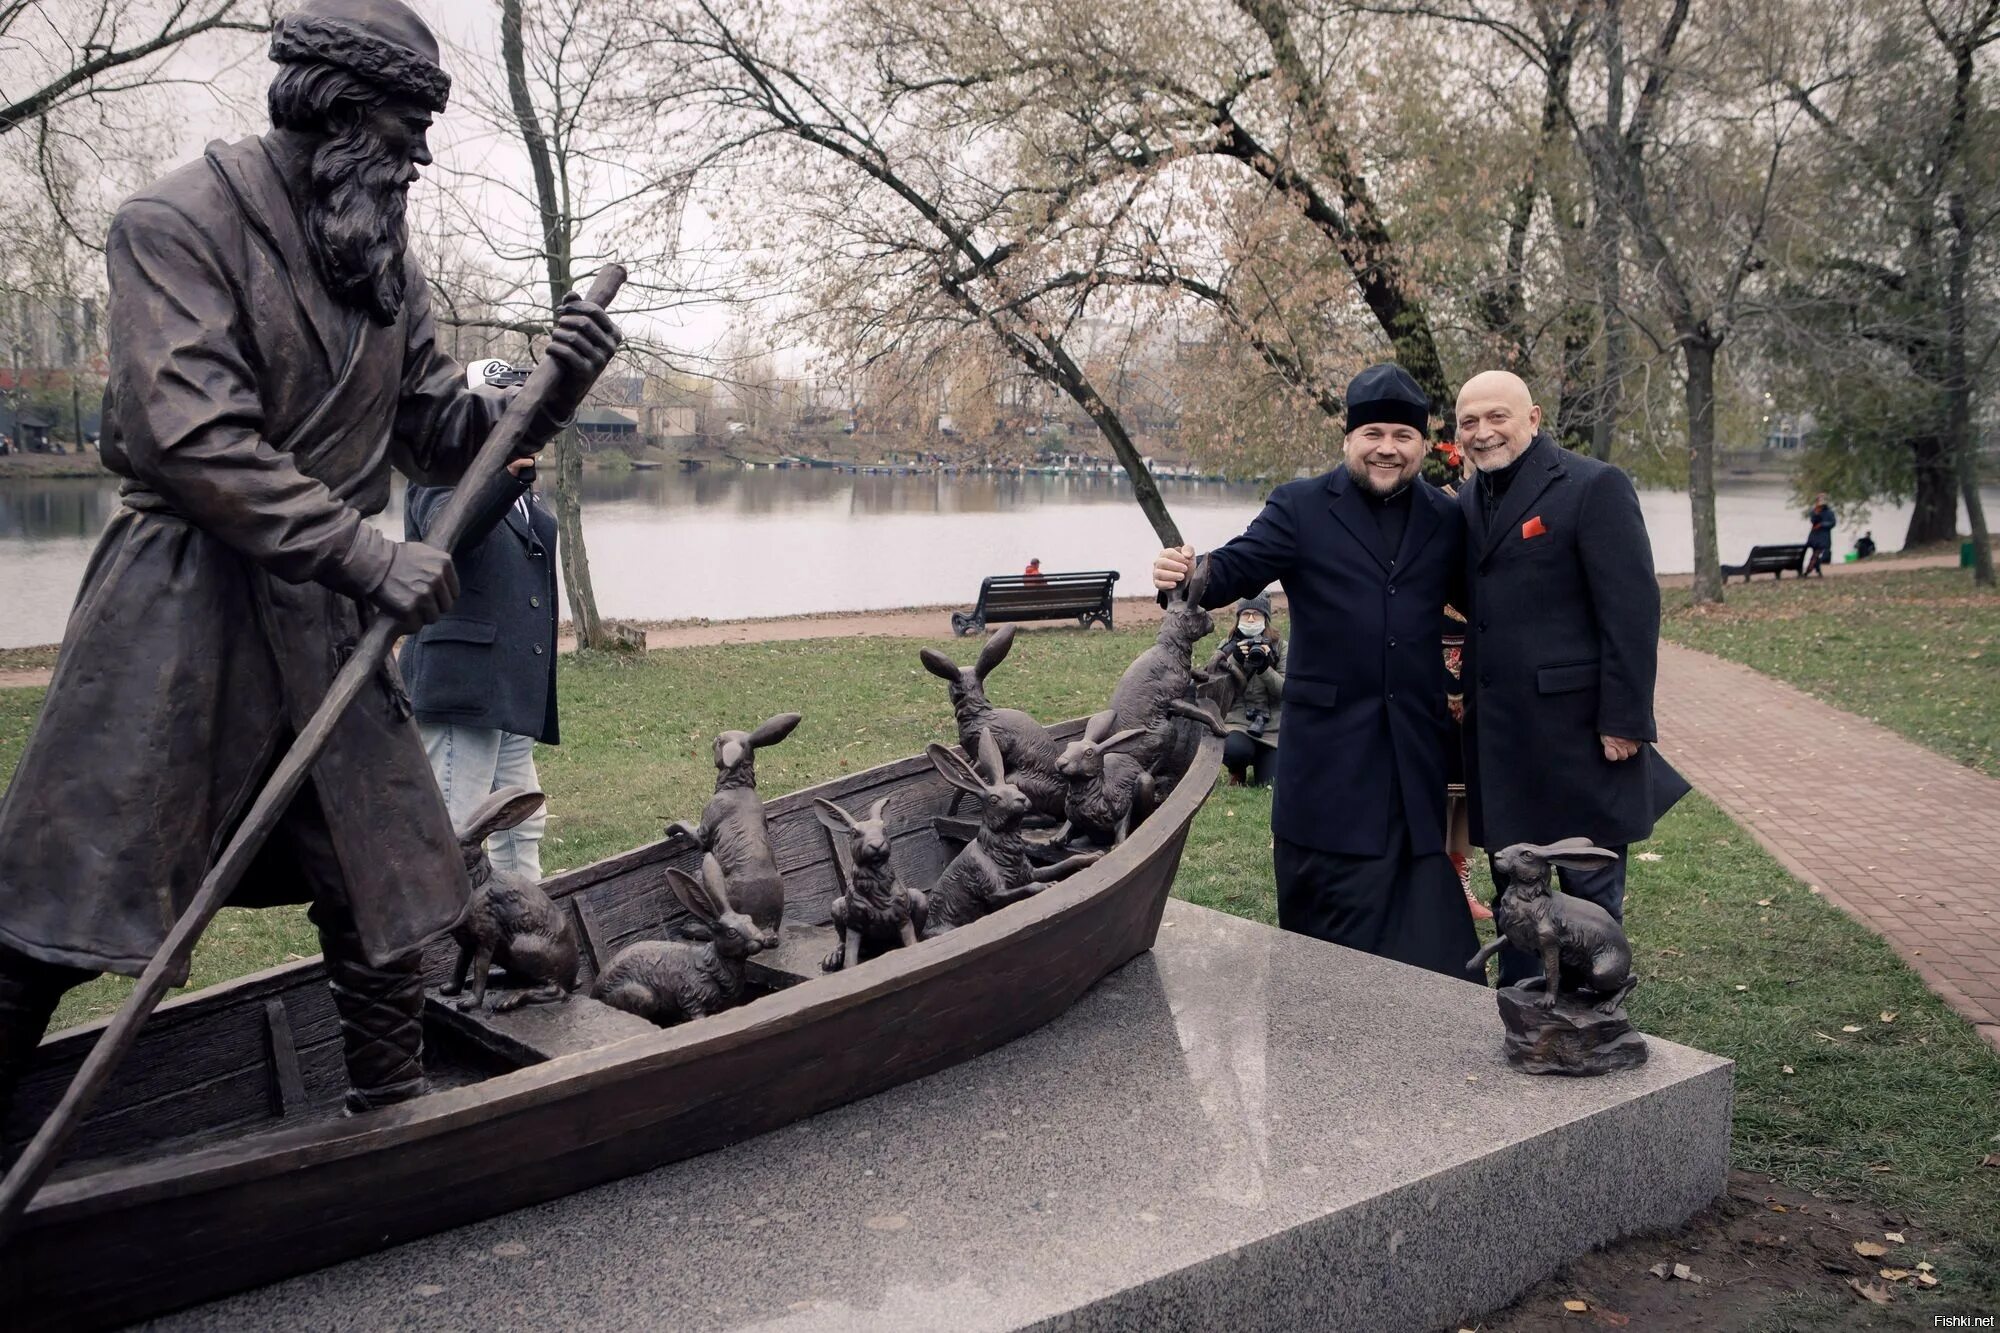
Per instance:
{"type": "Point", "coordinates": [381, 1017]}
{"type": "Point", "coordinates": [29, 992]}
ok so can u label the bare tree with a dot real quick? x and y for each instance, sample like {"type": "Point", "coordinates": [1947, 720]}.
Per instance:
{"type": "Point", "coordinates": [597, 186]}
{"type": "Point", "coordinates": [64, 51]}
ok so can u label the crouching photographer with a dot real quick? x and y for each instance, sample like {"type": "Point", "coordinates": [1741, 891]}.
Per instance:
{"type": "Point", "coordinates": [1255, 653]}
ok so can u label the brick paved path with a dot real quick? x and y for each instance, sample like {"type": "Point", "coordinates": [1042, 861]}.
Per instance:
{"type": "Point", "coordinates": [1902, 838]}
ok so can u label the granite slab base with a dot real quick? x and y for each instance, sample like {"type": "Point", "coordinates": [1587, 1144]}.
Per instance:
{"type": "Point", "coordinates": [1243, 1129]}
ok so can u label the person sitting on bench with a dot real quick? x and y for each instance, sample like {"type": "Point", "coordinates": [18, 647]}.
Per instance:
{"type": "Point", "coordinates": [1251, 752]}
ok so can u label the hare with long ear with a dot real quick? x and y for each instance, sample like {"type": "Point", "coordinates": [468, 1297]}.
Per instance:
{"type": "Point", "coordinates": [1025, 744]}
{"type": "Point", "coordinates": [510, 920]}
{"type": "Point", "coordinates": [877, 912]}
{"type": "Point", "coordinates": [1157, 692]}
{"type": "Point", "coordinates": [1580, 945]}
{"type": "Point", "coordinates": [993, 870]}
{"type": "Point", "coordinates": [1109, 792]}
{"type": "Point", "coordinates": [732, 823]}
{"type": "Point", "coordinates": [672, 981]}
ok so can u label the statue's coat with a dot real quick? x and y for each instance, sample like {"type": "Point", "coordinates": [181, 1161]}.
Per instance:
{"type": "Point", "coordinates": [255, 420]}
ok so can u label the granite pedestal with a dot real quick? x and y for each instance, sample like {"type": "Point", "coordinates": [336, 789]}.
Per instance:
{"type": "Point", "coordinates": [1244, 1129]}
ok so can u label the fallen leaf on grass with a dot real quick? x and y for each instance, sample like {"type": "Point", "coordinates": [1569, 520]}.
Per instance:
{"type": "Point", "coordinates": [1786, 1068]}
{"type": "Point", "coordinates": [1924, 1266]}
{"type": "Point", "coordinates": [1647, 856]}
{"type": "Point", "coordinates": [1742, 988]}
{"type": "Point", "coordinates": [1763, 902]}
{"type": "Point", "coordinates": [1869, 1292]}
{"type": "Point", "coordinates": [1990, 1159]}
{"type": "Point", "coordinates": [1895, 1274]}
{"type": "Point", "coordinates": [1888, 1015]}
{"type": "Point", "coordinates": [1779, 1208]}
{"type": "Point", "coordinates": [1894, 1236]}
{"type": "Point", "coordinates": [1850, 1028]}
{"type": "Point", "coordinates": [1869, 1249]}
{"type": "Point", "coordinates": [1926, 1280]}
{"type": "Point", "coordinates": [1575, 1307]}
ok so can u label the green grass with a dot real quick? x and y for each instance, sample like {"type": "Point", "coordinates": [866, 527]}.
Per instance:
{"type": "Point", "coordinates": [1917, 651]}
{"type": "Point", "coordinates": [1896, 1112]}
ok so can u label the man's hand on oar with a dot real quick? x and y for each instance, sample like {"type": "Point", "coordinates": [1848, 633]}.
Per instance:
{"type": "Point", "coordinates": [583, 343]}
{"type": "Point", "coordinates": [420, 586]}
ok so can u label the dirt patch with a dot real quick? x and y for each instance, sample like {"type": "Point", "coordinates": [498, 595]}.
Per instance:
{"type": "Point", "coordinates": [1764, 1257]}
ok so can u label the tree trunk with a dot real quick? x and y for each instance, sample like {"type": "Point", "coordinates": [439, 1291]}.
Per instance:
{"type": "Point", "coordinates": [557, 228]}
{"type": "Point", "coordinates": [1935, 518]}
{"type": "Point", "coordinates": [1700, 354]}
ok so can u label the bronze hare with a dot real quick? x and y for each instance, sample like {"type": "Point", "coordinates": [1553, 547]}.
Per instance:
{"type": "Point", "coordinates": [672, 981]}
{"type": "Point", "coordinates": [1579, 945]}
{"type": "Point", "coordinates": [510, 920]}
{"type": "Point", "coordinates": [732, 823]}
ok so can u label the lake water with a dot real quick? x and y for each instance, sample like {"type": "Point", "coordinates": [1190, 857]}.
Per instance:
{"type": "Point", "coordinates": [729, 544]}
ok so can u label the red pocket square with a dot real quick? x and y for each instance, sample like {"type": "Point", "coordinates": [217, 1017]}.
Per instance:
{"type": "Point", "coordinates": [1534, 527]}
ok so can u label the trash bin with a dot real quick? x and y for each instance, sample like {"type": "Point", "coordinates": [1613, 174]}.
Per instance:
{"type": "Point", "coordinates": [1965, 560]}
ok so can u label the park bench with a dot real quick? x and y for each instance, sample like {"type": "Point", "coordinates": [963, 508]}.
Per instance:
{"type": "Point", "coordinates": [1003, 597]}
{"type": "Point", "coordinates": [1776, 561]}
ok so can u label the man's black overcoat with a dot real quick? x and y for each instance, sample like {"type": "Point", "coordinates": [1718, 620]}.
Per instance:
{"type": "Point", "coordinates": [491, 662]}
{"type": "Point", "coordinates": [1561, 646]}
{"type": "Point", "coordinates": [1364, 682]}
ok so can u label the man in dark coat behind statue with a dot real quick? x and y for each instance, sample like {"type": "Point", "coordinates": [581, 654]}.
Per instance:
{"type": "Point", "coordinates": [1561, 646]}
{"type": "Point", "coordinates": [272, 357]}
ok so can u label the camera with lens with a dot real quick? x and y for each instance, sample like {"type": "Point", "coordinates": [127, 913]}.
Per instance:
{"type": "Point", "coordinates": [1255, 653]}
{"type": "Point", "coordinates": [1256, 721]}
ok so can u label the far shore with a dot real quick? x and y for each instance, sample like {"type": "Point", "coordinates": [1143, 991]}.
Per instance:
{"type": "Point", "coordinates": [30, 668]}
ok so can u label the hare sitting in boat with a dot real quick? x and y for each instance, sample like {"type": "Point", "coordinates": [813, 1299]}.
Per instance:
{"type": "Point", "coordinates": [509, 919]}
{"type": "Point", "coordinates": [732, 823]}
{"type": "Point", "coordinates": [1025, 745]}
{"type": "Point", "coordinates": [1579, 944]}
{"type": "Point", "coordinates": [993, 870]}
{"type": "Point", "coordinates": [878, 912]}
{"type": "Point", "coordinates": [1109, 792]}
{"type": "Point", "coordinates": [672, 981]}
{"type": "Point", "coordinates": [1157, 692]}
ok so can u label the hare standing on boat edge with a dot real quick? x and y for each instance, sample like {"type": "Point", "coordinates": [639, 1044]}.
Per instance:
{"type": "Point", "coordinates": [1157, 692]}
{"type": "Point", "coordinates": [667, 982]}
{"type": "Point", "coordinates": [510, 919]}
{"type": "Point", "coordinates": [994, 869]}
{"type": "Point", "coordinates": [1026, 747]}
{"type": "Point", "coordinates": [732, 823]}
{"type": "Point", "coordinates": [1109, 792]}
{"type": "Point", "coordinates": [1579, 944]}
{"type": "Point", "coordinates": [877, 912]}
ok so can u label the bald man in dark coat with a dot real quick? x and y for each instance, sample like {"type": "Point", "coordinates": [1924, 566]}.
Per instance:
{"type": "Point", "coordinates": [1561, 647]}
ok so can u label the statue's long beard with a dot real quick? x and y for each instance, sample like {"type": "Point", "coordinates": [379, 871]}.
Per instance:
{"type": "Point", "coordinates": [355, 222]}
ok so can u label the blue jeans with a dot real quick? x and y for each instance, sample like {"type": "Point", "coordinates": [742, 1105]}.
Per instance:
{"type": "Point", "coordinates": [471, 764]}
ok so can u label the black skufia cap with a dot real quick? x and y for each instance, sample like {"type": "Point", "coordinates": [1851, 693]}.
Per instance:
{"type": "Point", "coordinates": [1387, 393]}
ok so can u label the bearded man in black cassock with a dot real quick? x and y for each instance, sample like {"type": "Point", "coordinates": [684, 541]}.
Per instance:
{"type": "Point", "coordinates": [272, 357]}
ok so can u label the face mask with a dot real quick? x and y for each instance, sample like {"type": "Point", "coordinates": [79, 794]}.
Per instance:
{"type": "Point", "coordinates": [1250, 627]}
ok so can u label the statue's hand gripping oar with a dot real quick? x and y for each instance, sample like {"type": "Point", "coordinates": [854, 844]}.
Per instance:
{"type": "Point", "coordinates": [485, 472]}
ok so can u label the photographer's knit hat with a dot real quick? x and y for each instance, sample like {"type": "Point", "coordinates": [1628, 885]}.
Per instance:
{"type": "Point", "coordinates": [382, 41]}
{"type": "Point", "coordinates": [1387, 393]}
